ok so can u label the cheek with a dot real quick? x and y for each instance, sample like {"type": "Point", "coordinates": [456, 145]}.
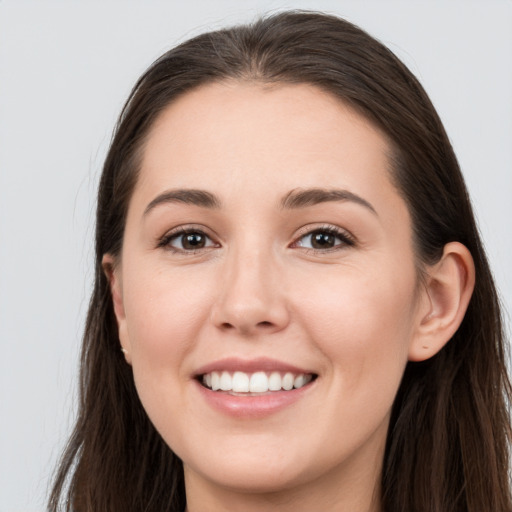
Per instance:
{"type": "Point", "coordinates": [164, 312]}
{"type": "Point", "coordinates": [363, 323]}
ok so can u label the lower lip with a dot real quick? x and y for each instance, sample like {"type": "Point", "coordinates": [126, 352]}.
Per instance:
{"type": "Point", "coordinates": [252, 406]}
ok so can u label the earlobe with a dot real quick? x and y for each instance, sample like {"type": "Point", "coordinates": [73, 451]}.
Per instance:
{"type": "Point", "coordinates": [112, 272]}
{"type": "Point", "coordinates": [448, 288]}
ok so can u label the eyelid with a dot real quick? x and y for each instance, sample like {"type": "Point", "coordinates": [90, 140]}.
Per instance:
{"type": "Point", "coordinates": [348, 239]}
{"type": "Point", "coordinates": [165, 240]}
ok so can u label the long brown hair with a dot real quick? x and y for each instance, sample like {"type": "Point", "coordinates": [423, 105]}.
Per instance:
{"type": "Point", "coordinates": [448, 442]}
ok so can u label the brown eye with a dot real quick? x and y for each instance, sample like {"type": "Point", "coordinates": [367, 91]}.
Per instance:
{"type": "Point", "coordinates": [322, 240]}
{"type": "Point", "coordinates": [190, 241]}
{"type": "Point", "coordinates": [187, 241]}
{"type": "Point", "coordinates": [325, 239]}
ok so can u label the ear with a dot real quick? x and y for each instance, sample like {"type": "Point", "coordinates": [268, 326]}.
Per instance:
{"type": "Point", "coordinates": [448, 289]}
{"type": "Point", "coordinates": [113, 272]}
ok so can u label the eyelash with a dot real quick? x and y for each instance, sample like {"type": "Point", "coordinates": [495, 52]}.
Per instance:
{"type": "Point", "coordinates": [346, 239]}
{"type": "Point", "coordinates": [165, 241]}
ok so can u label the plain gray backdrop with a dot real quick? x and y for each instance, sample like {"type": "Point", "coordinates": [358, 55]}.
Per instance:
{"type": "Point", "coordinates": [66, 68]}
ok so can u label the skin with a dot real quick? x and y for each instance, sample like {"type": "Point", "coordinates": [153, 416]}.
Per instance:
{"type": "Point", "coordinates": [353, 314]}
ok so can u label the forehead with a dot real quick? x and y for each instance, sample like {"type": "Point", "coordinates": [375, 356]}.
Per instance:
{"type": "Point", "coordinates": [235, 136]}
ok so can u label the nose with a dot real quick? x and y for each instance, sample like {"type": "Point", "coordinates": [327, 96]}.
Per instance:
{"type": "Point", "coordinates": [251, 298]}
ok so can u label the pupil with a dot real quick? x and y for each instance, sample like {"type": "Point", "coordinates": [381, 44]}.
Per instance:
{"type": "Point", "coordinates": [193, 241]}
{"type": "Point", "coordinates": [321, 240]}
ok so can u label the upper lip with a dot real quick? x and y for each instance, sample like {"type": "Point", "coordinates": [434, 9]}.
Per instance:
{"type": "Point", "coordinates": [233, 364]}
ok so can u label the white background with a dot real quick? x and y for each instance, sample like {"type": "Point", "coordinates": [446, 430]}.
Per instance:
{"type": "Point", "coordinates": [66, 68]}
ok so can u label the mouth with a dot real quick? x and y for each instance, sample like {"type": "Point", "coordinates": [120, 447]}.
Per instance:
{"type": "Point", "coordinates": [255, 383]}
{"type": "Point", "coordinates": [253, 389]}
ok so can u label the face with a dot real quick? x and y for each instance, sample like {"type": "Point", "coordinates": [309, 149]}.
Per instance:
{"type": "Point", "coordinates": [267, 293]}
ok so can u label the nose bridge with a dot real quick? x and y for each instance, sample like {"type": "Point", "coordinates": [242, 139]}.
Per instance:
{"type": "Point", "coordinates": [251, 297]}
{"type": "Point", "coordinates": [249, 271]}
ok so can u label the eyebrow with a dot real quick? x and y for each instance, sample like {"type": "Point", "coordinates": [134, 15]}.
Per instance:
{"type": "Point", "coordinates": [302, 198]}
{"type": "Point", "coordinates": [188, 196]}
{"type": "Point", "coordinates": [295, 199]}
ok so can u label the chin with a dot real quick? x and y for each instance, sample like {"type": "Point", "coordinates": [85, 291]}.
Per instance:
{"type": "Point", "coordinates": [253, 477]}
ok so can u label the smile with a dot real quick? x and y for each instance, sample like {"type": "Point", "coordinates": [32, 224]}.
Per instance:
{"type": "Point", "coordinates": [253, 389]}
{"type": "Point", "coordinates": [256, 382]}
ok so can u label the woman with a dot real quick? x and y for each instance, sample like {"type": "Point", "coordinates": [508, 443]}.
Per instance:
{"type": "Point", "coordinates": [292, 307]}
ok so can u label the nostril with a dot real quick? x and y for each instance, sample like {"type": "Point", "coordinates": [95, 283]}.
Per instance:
{"type": "Point", "coordinates": [229, 326]}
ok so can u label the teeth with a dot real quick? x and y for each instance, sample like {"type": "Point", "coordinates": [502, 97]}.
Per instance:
{"type": "Point", "coordinates": [215, 381]}
{"type": "Point", "coordinates": [258, 382]}
{"type": "Point", "coordinates": [274, 382]}
{"type": "Point", "coordinates": [240, 382]}
{"type": "Point", "coordinates": [299, 381]}
{"type": "Point", "coordinates": [288, 381]}
{"type": "Point", "coordinates": [226, 383]}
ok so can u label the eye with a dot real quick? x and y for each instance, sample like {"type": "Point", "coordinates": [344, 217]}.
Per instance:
{"type": "Point", "coordinates": [324, 239]}
{"type": "Point", "coordinates": [187, 240]}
